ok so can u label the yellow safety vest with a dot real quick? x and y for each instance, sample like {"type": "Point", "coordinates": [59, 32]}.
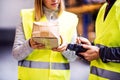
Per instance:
{"type": "Point", "coordinates": [108, 34]}
{"type": "Point", "coordinates": [46, 64]}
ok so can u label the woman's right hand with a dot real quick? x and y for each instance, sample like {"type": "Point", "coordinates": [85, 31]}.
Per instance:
{"type": "Point", "coordinates": [36, 45]}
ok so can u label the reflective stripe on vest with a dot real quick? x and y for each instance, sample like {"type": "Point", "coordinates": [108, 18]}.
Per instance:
{"type": "Point", "coordinates": [44, 65]}
{"type": "Point", "coordinates": [105, 73]}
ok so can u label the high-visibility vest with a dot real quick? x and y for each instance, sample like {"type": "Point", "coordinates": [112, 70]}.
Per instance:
{"type": "Point", "coordinates": [45, 64]}
{"type": "Point", "coordinates": [107, 33]}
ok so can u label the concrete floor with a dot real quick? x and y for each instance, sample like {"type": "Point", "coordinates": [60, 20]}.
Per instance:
{"type": "Point", "coordinates": [8, 66]}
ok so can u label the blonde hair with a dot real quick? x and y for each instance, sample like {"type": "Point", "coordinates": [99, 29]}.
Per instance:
{"type": "Point", "coordinates": [38, 4]}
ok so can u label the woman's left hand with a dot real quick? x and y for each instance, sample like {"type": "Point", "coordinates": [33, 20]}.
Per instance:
{"type": "Point", "coordinates": [61, 48]}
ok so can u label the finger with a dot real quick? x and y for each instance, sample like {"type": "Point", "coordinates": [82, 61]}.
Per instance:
{"type": "Point", "coordinates": [87, 58]}
{"type": "Point", "coordinates": [61, 49]}
{"type": "Point", "coordinates": [78, 41]}
{"type": "Point", "coordinates": [34, 46]}
{"type": "Point", "coordinates": [41, 47]}
{"type": "Point", "coordinates": [91, 57]}
{"type": "Point", "coordinates": [38, 46]}
{"type": "Point", "coordinates": [85, 40]}
{"type": "Point", "coordinates": [86, 46]}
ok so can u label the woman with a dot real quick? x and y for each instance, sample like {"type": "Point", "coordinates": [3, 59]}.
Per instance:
{"type": "Point", "coordinates": [35, 62]}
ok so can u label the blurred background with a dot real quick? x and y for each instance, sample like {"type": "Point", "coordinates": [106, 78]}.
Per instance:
{"type": "Point", "coordinates": [10, 19]}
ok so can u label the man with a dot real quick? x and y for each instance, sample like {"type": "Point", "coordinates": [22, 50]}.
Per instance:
{"type": "Point", "coordinates": [105, 55]}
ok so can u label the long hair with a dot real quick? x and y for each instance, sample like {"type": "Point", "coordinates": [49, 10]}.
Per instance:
{"type": "Point", "coordinates": [38, 4]}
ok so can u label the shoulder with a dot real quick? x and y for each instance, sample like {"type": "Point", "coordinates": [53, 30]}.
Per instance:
{"type": "Point", "coordinates": [69, 18]}
{"type": "Point", "coordinates": [117, 9]}
{"type": "Point", "coordinates": [26, 11]}
{"type": "Point", "coordinates": [69, 15]}
{"type": "Point", "coordinates": [117, 5]}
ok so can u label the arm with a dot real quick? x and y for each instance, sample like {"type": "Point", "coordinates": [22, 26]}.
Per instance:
{"type": "Point", "coordinates": [21, 47]}
{"type": "Point", "coordinates": [106, 54]}
{"type": "Point", "coordinates": [110, 54]}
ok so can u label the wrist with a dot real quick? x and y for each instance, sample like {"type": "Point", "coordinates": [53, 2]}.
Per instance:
{"type": "Point", "coordinates": [97, 51]}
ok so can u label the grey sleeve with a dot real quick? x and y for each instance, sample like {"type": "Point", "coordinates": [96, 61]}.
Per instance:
{"type": "Point", "coordinates": [70, 55]}
{"type": "Point", "coordinates": [21, 48]}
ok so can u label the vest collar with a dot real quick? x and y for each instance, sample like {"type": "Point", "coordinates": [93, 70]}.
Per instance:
{"type": "Point", "coordinates": [50, 14]}
{"type": "Point", "coordinates": [110, 1]}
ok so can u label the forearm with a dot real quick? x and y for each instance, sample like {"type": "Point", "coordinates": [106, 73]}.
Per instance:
{"type": "Point", "coordinates": [21, 47]}
{"type": "Point", "coordinates": [22, 51]}
{"type": "Point", "coordinates": [110, 54]}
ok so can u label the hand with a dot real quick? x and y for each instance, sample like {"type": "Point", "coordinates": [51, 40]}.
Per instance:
{"type": "Point", "coordinates": [92, 53]}
{"type": "Point", "coordinates": [83, 41]}
{"type": "Point", "coordinates": [60, 48]}
{"type": "Point", "coordinates": [63, 45]}
{"type": "Point", "coordinates": [36, 45]}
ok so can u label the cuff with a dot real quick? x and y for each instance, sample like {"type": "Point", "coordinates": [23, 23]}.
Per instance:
{"type": "Point", "coordinates": [70, 55]}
